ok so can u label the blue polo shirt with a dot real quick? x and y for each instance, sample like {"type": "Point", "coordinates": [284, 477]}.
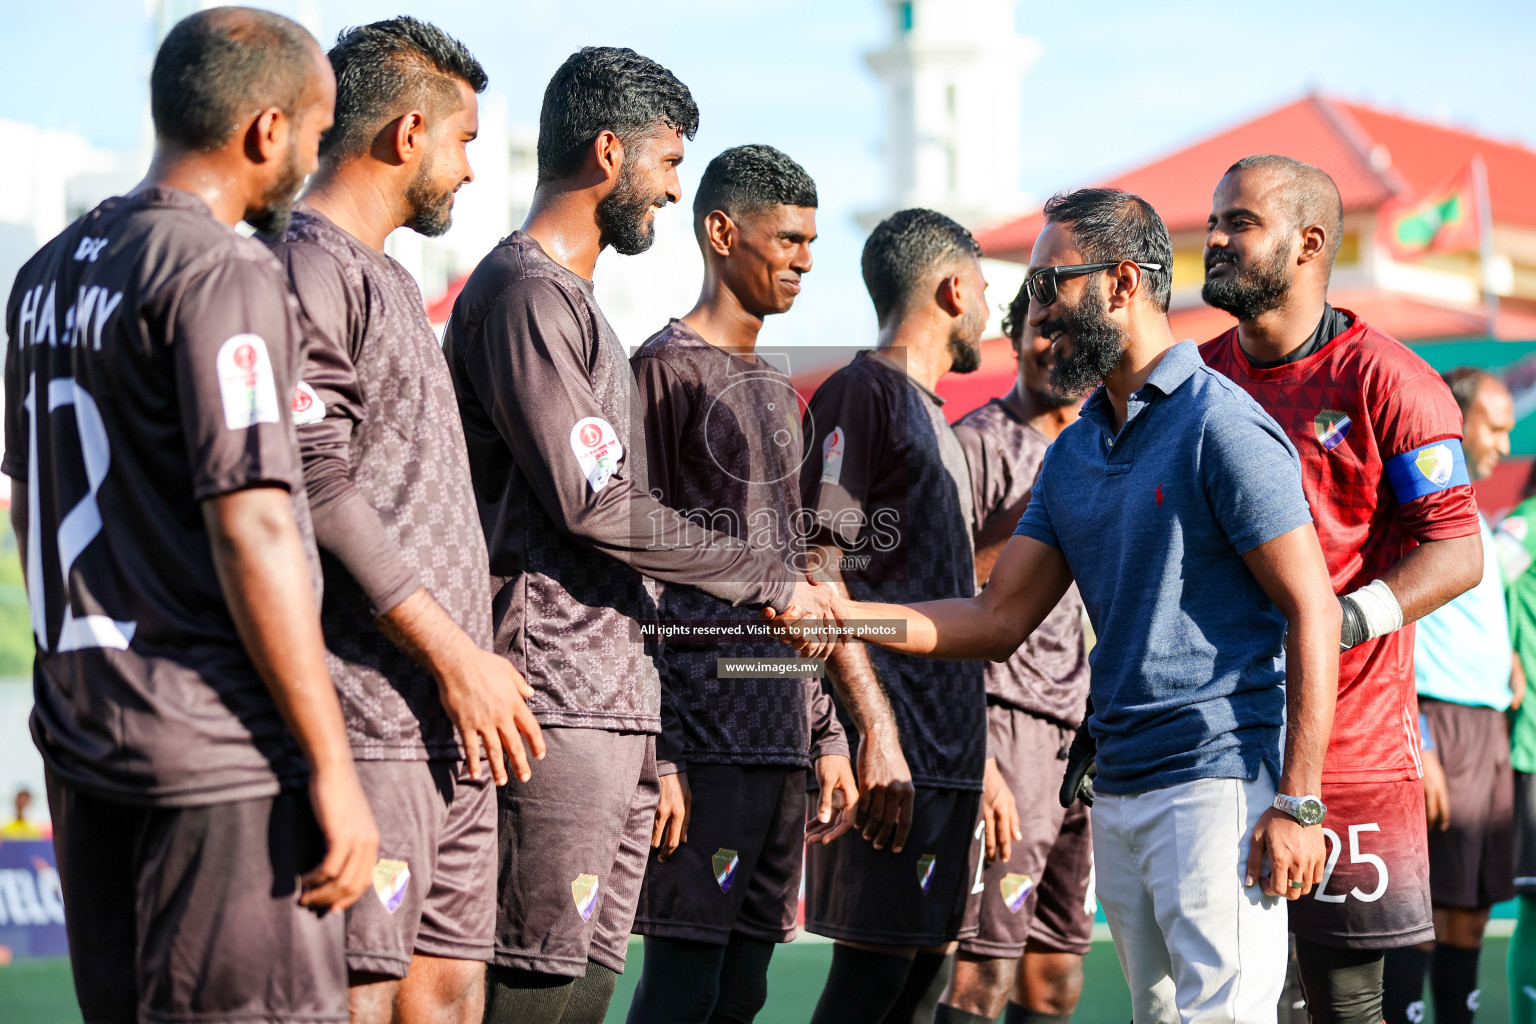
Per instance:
{"type": "Point", "coordinates": [1188, 675]}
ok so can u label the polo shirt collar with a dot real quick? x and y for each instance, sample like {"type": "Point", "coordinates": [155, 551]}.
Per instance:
{"type": "Point", "coordinates": [1176, 367]}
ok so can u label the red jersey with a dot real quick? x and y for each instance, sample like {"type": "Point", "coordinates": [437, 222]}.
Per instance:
{"type": "Point", "coordinates": [1379, 436]}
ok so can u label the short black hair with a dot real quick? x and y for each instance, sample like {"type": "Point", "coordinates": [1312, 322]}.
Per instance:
{"type": "Point", "coordinates": [745, 180]}
{"type": "Point", "coordinates": [1313, 194]}
{"type": "Point", "coordinates": [904, 249]}
{"type": "Point", "coordinates": [1108, 225]}
{"type": "Point", "coordinates": [1016, 313]}
{"type": "Point", "coordinates": [607, 88]}
{"type": "Point", "coordinates": [387, 68]}
{"type": "Point", "coordinates": [216, 65]}
{"type": "Point", "coordinates": [1465, 382]}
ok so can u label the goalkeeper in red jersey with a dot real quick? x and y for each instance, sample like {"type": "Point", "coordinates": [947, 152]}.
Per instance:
{"type": "Point", "coordinates": [1379, 436]}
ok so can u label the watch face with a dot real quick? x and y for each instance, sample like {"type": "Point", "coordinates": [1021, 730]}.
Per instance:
{"type": "Point", "coordinates": [1311, 811]}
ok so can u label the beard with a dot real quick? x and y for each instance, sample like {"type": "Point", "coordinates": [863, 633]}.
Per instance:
{"type": "Point", "coordinates": [621, 215]}
{"type": "Point", "coordinates": [1098, 345]}
{"type": "Point", "coordinates": [965, 342]}
{"type": "Point", "coordinates": [276, 209]}
{"type": "Point", "coordinates": [1248, 291]}
{"type": "Point", "coordinates": [431, 208]}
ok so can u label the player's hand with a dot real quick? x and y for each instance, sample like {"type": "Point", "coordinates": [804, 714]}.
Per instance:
{"type": "Point", "coordinates": [1295, 854]}
{"type": "Point", "coordinates": [351, 839]}
{"type": "Point", "coordinates": [839, 796]}
{"type": "Point", "coordinates": [674, 811]}
{"type": "Point", "coordinates": [1000, 813]}
{"type": "Point", "coordinates": [486, 699]}
{"type": "Point", "coordinates": [815, 604]}
{"type": "Point", "coordinates": [1516, 684]}
{"type": "Point", "coordinates": [884, 813]}
{"type": "Point", "coordinates": [1437, 800]}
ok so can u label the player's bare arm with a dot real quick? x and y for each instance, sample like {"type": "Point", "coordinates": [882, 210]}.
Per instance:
{"type": "Point", "coordinates": [1291, 571]}
{"type": "Point", "coordinates": [994, 535]}
{"type": "Point", "coordinates": [1432, 574]}
{"type": "Point", "coordinates": [482, 692]}
{"type": "Point", "coordinates": [262, 571]}
{"type": "Point", "coordinates": [1435, 573]}
{"type": "Point", "coordinates": [883, 814]}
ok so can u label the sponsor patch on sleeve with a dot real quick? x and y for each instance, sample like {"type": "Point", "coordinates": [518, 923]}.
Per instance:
{"type": "Point", "coordinates": [246, 385]}
{"type": "Point", "coordinates": [598, 450]}
{"type": "Point", "coordinates": [832, 450]}
{"type": "Point", "coordinates": [1435, 467]}
{"type": "Point", "coordinates": [307, 407]}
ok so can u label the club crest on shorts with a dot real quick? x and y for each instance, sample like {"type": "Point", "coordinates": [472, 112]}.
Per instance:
{"type": "Point", "coordinates": [390, 878]}
{"type": "Point", "coordinates": [925, 870]}
{"type": "Point", "coordinates": [1332, 427]}
{"type": "Point", "coordinates": [584, 893]}
{"type": "Point", "coordinates": [1015, 889]}
{"type": "Point", "coordinates": [725, 862]}
{"type": "Point", "coordinates": [1437, 463]}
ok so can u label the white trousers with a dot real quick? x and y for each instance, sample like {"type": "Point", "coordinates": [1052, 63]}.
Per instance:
{"type": "Point", "coordinates": [1196, 945]}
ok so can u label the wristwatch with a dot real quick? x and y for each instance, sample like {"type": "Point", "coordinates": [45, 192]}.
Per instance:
{"type": "Point", "coordinates": [1308, 810]}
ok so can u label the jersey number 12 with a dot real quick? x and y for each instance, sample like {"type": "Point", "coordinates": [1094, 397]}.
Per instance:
{"type": "Point", "coordinates": [77, 527]}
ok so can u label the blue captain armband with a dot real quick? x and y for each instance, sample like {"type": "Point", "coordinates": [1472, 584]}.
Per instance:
{"type": "Point", "coordinates": [1437, 466]}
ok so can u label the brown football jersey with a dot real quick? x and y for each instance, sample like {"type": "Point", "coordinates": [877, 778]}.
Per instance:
{"type": "Point", "coordinates": [152, 358]}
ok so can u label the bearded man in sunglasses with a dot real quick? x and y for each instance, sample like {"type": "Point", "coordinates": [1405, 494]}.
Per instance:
{"type": "Point", "coordinates": [1175, 503]}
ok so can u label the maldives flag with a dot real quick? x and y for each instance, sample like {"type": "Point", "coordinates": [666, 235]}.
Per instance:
{"type": "Point", "coordinates": [1444, 220]}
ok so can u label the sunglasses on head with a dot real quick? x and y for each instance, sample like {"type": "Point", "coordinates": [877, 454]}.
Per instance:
{"type": "Point", "coordinates": [1042, 283]}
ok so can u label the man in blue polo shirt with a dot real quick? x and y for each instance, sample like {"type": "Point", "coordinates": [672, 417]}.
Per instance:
{"type": "Point", "coordinates": [1176, 505]}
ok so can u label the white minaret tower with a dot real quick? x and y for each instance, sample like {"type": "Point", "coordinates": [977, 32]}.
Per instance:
{"type": "Point", "coordinates": [954, 95]}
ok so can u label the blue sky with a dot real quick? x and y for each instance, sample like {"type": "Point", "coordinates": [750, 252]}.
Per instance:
{"type": "Point", "coordinates": [1117, 83]}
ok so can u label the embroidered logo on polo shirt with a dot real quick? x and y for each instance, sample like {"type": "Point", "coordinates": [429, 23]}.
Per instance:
{"type": "Point", "coordinates": [725, 862]}
{"type": "Point", "coordinates": [1331, 427]}
{"type": "Point", "coordinates": [390, 878]}
{"type": "Point", "coordinates": [1015, 889]}
{"type": "Point", "coordinates": [925, 870]}
{"type": "Point", "coordinates": [584, 893]}
{"type": "Point", "coordinates": [1159, 494]}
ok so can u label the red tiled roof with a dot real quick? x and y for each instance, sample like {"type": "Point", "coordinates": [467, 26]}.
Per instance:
{"type": "Point", "coordinates": [1429, 155]}
{"type": "Point", "coordinates": [1370, 154]}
